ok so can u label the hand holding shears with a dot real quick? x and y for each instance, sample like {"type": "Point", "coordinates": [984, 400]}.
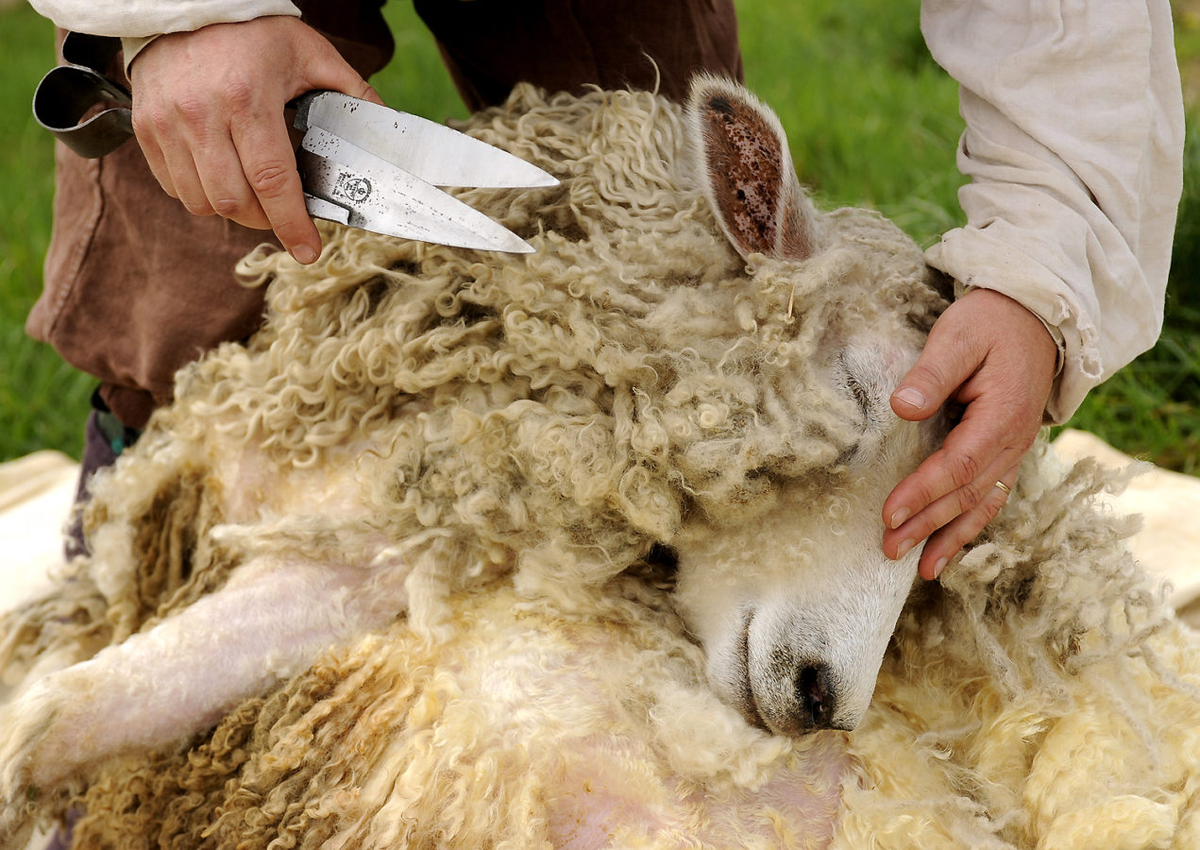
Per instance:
{"type": "Point", "coordinates": [222, 146]}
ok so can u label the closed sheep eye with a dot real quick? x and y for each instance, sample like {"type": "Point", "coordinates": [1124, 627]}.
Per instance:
{"type": "Point", "coordinates": [856, 389]}
{"type": "Point", "coordinates": [860, 395]}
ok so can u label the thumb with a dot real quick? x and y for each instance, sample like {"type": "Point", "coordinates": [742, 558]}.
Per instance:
{"type": "Point", "coordinates": [326, 68]}
{"type": "Point", "coordinates": [945, 364]}
{"type": "Point", "coordinates": [356, 86]}
{"type": "Point", "coordinates": [345, 80]}
{"type": "Point", "coordinates": [370, 94]}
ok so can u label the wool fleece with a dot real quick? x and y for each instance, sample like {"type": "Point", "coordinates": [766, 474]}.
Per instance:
{"type": "Point", "coordinates": [472, 470]}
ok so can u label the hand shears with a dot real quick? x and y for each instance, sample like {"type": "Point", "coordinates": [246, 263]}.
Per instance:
{"type": "Point", "coordinates": [361, 164]}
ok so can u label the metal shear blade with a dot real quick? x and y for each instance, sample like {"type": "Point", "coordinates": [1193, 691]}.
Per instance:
{"type": "Point", "coordinates": [377, 169]}
{"type": "Point", "coordinates": [361, 190]}
{"type": "Point", "coordinates": [434, 152]}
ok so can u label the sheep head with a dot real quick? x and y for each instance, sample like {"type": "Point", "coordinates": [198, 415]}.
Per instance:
{"type": "Point", "coordinates": [795, 609]}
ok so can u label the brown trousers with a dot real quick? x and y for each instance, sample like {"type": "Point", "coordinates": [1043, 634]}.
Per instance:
{"type": "Point", "coordinates": [136, 287]}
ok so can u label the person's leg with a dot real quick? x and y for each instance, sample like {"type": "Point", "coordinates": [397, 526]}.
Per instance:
{"type": "Point", "coordinates": [105, 437]}
{"type": "Point", "coordinates": [565, 45]}
{"type": "Point", "coordinates": [135, 287]}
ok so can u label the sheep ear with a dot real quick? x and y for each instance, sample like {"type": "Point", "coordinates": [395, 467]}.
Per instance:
{"type": "Point", "coordinates": [747, 172]}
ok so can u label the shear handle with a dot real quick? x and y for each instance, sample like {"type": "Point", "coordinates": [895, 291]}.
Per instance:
{"type": "Point", "coordinates": [80, 105]}
{"type": "Point", "coordinates": [91, 51]}
{"type": "Point", "coordinates": [65, 103]}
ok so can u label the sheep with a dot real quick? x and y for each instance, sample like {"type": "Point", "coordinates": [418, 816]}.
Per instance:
{"type": "Point", "coordinates": [367, 582]}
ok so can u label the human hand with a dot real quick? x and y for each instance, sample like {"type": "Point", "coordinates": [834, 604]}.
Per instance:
{"type": "Point", "coordinates": [994, 356]}
{"type": "Point", "coordinates": [208, 113]}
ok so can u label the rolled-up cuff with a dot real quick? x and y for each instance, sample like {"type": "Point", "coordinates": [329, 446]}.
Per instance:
{"type": "Point", "coordinates": [977, 260]}
{"type": "Point", "coordinates": [131, 47]}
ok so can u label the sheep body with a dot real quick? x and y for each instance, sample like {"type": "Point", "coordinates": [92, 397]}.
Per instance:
{"type": "Point", "coordinates": [488, 444]}
{"type": "Point", "coordinates": [1010, 713]}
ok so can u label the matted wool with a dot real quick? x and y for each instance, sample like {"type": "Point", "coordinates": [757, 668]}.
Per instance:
{"type": "Point", "coordinates": [524, 429]}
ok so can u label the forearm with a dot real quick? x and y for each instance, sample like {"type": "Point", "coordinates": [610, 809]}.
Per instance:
{"type": "Point", "coordinates": [141, 18]}
{"type": "Point", "coordinates": [1074, 149]}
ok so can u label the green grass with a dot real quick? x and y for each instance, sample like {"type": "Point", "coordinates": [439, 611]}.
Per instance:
{"type": "Point", "coordinates": [872, 121]}
{"type": "Point", "coordinates": [42, 400]}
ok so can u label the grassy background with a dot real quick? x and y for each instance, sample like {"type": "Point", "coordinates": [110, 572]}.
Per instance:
{"type": "Point", "coordinates": [871, 120]}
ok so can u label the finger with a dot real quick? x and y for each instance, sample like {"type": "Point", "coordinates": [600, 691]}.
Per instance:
{"type": "Point", "coordinates": [943, 511]}
{"type": "Point", "coordinates": [185, 181]}
{"type": "Point", "coordinates": [158, 164]}
{"type": "Point", "coordinates": [330, 70]}
{"type": "Point", "coordinates": [269, 166]}
{"type": "Point", "coordinates": [971, 447]}
{"type": "Point", "coordinates": [949, 540]}
{"type": "Point", "coordinates": [170, 160]}
{"type": "Point", "coordinates": [225, 186]}
{"type": "Point", "coordinates": [372, 95]}
{"type": "Point", "coordinates": [945, 363]}
{"type": "Point", "coordinates": [367, 92]}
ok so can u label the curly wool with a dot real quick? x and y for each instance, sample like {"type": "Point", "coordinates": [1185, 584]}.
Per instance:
{"type": "Point", "coordinates": [556, 413]}
{"type": "Point", "coordinates": [1041, 696]}
{"type": "Point", "coordinates": [554, 416]}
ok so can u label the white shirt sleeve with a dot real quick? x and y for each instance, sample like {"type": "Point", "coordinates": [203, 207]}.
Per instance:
{"type": "Point", "coordinates": [1074, 148]}
{"type": "Point", "coordinates": [141, 18]}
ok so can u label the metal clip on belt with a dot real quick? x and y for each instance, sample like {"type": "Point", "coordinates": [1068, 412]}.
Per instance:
{"type": "Point", "coordinates": [68, 93]}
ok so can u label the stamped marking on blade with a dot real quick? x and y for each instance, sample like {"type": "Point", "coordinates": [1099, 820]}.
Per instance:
{"type": "Point", "coordinates": [352, 187]}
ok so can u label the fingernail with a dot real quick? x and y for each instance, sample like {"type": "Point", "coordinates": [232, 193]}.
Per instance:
{"type": "Point", "coordinates": [900, 516]}
{"type": "Point", "coordinates": [304, 255]}
{"type": "Point", "coordinates": [911, 396]}
{"type": "Point", "coordinates": [939, 566]}
{"type": "Point", "coordinates": [905, 547]}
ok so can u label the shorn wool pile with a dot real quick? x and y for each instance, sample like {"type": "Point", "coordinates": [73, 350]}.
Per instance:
{"type": "Point", "coordinates": [398, 571]}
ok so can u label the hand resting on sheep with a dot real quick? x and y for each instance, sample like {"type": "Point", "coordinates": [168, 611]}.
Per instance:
{"type": "Point", "coordinates": [427, 446]}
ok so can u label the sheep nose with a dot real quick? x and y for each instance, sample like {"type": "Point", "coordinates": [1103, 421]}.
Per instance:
{"type": "Point", "coordinates": [815, 697]}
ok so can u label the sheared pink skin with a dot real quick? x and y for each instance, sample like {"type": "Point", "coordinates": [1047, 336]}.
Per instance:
{"type": "Point", "coordinates": [806, 796]}
{"type": "Point", "coordinates": [561, 688]}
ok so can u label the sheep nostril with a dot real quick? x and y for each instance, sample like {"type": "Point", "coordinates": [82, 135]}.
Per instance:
{"type": "Point", "coordinates": [815, 696]}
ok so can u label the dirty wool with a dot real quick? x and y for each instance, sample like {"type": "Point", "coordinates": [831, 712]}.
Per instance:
{"type": "Point", "coordinates": [528, 435]}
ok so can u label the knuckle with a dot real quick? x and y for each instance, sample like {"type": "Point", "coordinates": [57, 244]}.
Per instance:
{"type": "Point", "coordinates": [930, 521]}
{"type": "Point", "coordinates": [190, 110]}
{"type": "Point", "coordinates": [240, 95]}
{"type": "Point", "coordinates": [965, 469]}
{"type": "Point", "coordinates": [930, 379]}
{"type": "Point", "coordinates": [987, 511]}
{"type": "Point", "coordinates": [983, 514]}
{"type": "Point", "coordinates": [970, 496]}
{"type": "Point", "coordinates": [979, 520]}
{"type": "Point", "coordinates": [150, 123]}
{"type": "Point", "coordinates": [270, 179]}
{"type": "Point", "coordinates": [143, 122]}
{"type": "Point", "coordinates": [932, 374]}
{"type": "Point", "coordinates": [966, 532]}
{"type": "Point", "coordinates": [229, 207]}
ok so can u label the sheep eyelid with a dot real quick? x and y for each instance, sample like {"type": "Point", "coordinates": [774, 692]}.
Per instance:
{"type": "Point", "coordinates": [855, 388]}
{"type": "Point", "coordinates": [860, 395]}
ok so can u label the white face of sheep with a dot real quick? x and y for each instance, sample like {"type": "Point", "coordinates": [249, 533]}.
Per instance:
{"type": "Point", "coordinates": [795, 609]}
